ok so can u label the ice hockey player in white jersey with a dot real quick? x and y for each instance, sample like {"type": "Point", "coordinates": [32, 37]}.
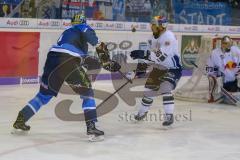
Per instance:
{"type": "Point", "coordinates": [163, 51]}
{"type": "Point", "coordinates": [223, 68]}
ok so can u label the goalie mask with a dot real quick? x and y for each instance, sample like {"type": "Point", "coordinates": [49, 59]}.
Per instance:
{"type": "Point", "coordinates": [79, 19]}
{"type": "Point", "coordinates": [158, 25]}
{"type": "Point", "coordinates": [226, 43]}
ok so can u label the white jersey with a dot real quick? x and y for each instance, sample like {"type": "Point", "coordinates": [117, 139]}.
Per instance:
{"type": "Point", "coordinates": [227, 63]}
{"type": "Point", "coordinates": [164, 50]}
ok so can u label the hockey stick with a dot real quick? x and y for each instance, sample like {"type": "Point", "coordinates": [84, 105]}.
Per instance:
{"type": "Point", "coordinates": [124, 76]}
{"type": "Point", "coordinates": [231, 97]}
{"type": "Point", "coordinates": [113, 94]}
{"type": "Point", "coordinates": [128, 81]}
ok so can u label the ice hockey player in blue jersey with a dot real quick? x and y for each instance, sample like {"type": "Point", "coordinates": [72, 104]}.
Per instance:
{"type": "Point", "coordinates": [65, 64]}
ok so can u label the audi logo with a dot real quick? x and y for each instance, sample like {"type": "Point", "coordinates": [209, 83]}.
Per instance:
{"type": "Point", "coordinates": [143, 26]}
{"type": "Point", "coordinates": [24, 23]}
{"type": "Point", "coordinates": [55, 23]}
{"type": "Point", "coordinates": [99, 25]}
{"type": "Point", "coordinates": [119, 25]}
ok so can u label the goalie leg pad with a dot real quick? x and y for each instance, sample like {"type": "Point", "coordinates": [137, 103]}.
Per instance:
{"type": "Point", "coordinates": [215, 84]}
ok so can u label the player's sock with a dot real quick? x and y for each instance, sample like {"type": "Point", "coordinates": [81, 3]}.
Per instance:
{"type": "Point", "coordinates": [90, 118]}
{"type": "Point", "coordinates": [89, 107]}
{"type": "Point", "coordinates": [168, 103]}
{"type": "Point", "coordinates": [144, 108]}
{"type": "Point", "coordinates": [90, 115]}
{"type": "Point", "coordinates": [29, 110]}
{"type": "Point", "coordinates": [34, 105]}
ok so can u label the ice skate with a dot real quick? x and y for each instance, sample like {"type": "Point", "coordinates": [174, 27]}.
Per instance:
{"type": "Point", "coordinates": [19, 126]}
{"type": "Point", "coordinates": [93, 133]}
{"type": "Point", "coordinates": [140, 117]}
{"type": "Point", "coordinates": [168, 120]}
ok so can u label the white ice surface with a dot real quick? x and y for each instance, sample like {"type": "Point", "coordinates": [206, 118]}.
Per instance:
{"type": "Point", "coordinates": [213, 133]}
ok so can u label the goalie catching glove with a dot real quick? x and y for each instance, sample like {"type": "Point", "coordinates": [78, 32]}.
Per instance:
{"type": "Point", "coordinates": [104, 57]}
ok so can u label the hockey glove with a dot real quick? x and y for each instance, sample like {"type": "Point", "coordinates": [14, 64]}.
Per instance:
{"type": "Point", "coordinates": [103, 53]}
{"type": "Point", "coordinates": [111, 66]}
{"type": "Point", "coordinates": [141, 69]}
{"type": "Point", "coordinates": [104, 57]}
{"type": "Point", "coordinates": [140, 54]}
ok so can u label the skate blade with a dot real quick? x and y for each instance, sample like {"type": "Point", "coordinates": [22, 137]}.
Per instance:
{"type": "Point", "coordinates": [166, 127]}
{"type": "Point", "coordinates": [18, 132]}
{"type": "Point", "coordinates": [137, 121]}
{"type": "Point", "coordinates": [93, 138]}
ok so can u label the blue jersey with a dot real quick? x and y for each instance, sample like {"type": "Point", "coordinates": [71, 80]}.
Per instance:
{"type": "Point", "coordinates": [75, 39]}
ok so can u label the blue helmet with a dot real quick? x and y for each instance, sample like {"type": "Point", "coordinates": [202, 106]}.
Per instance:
{"type": "Point", "coordinates": [79, 19]}
{"type": "Point", "coordinates": [160, 21]}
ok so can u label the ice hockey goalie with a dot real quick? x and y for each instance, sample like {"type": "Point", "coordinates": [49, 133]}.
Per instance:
{"type": "Point", "coordinates": [223, 70]}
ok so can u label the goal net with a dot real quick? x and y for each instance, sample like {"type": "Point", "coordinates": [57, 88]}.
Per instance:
{"type": "Point", "coordinates": [197, 86]}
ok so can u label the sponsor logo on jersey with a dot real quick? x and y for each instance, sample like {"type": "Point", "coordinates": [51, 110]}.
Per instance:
{"type": "Point", "coordinates": [158, 52]}
{"type": "Point", "coordinates": [230, 65]}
